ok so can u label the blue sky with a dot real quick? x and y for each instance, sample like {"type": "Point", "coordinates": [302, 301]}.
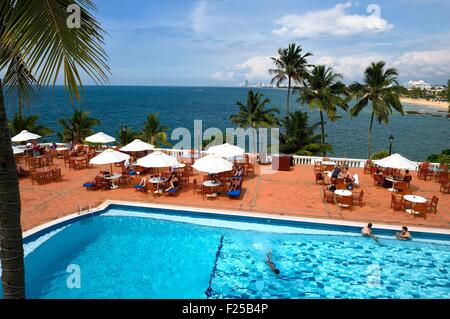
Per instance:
{"type": "Point", "coordinates": [225, 42]}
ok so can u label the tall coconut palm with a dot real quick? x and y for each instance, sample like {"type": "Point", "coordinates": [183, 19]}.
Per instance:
{"type": "Point", "coordinates": [36, 34]}
{"type": "Point", "coordinates": [254, 114]}
{"type": "Point", "coordinates": [379, 90]}
{"type": "Point", "coordinates": [77, 127]}
{"type": "Point", "coordinates": [291, 66]}
{"type": "Point", "coordinates": [126, 135]}
{"type": "Point", "coordinates": [154, 132]}
{"type": "Point", "coordinates": [22, 122]}
{"type": "Point", "coordinates": [326, 93]}
{"type": "Point", "coordinates": [299, 137]}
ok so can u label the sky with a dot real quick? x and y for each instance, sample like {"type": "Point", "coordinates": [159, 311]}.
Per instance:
{"type": "Point", "coordinates": [225, 42]}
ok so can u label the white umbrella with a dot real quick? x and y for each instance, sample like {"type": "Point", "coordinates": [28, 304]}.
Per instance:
{"type": "Point", "coordinates": [25, 136]}
{"type": "Point", "coordinates": [396, 161]}
{"type": "Point", "coordinates": [109, 156]}
{"type": "Point", "coordinates": [226, 150]}
{"type": "Point", "coordinates": [212, 164]}
{"type": "Point", "coordinates": [17, 150]}
{"type": "Point", "coordinates": [137, 146]}
{"type": "Point", "coordinates": [100, 138]}
{"type": "Point", "coordinates": [157, 159]}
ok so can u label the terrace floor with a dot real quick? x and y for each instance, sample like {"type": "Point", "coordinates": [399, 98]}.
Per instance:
{"type": "Point", "coordinates": [285, 193]}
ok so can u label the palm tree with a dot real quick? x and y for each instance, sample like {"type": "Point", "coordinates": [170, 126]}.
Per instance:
{"type": "Point", "coordinates": [291, 66]}
{"type": "Point", "coordinates": [254, 114]}
{"type": "Point", "coordinates": [126, 135]}
{"type": "Point", "coordinates": [77, 127]}
{"type": "Point", "coordinates": [22, 122]}
{"type": "Point", "coordinates": [379, 89]}
{"type": "Point", "coordinates": [154, 132]}
{"type": "Point", "coordinates": [36, 34]}
{"type": "Point", "coordinates": [299, 137]}
{"type": "Point", "coordinates": [324, 92]}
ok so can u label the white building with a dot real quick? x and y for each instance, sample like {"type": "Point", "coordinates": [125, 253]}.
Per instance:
{"type": "Point", "coordinates": [418, 85]}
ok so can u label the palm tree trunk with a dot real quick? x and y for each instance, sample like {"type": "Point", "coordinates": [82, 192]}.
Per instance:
{"type": "Point", "coordinates": [20, 105]}
{"type": "Point", "coordinates": [322, 124]}
{"type": "Point", "coordinates": [11, 247]}
{"type": "Point", "coordinates": [369, 140]}
{"type": "Point", "coordinates": [288, 95]}
{"type": "Point", "coordinates": [254, 139]}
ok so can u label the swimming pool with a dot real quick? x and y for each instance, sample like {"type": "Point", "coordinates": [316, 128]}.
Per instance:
{"type": "Point", "coordinates": [135, 252]}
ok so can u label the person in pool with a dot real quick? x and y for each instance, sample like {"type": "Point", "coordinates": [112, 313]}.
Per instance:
{"type": "Point", "coordinates": [367, 231]}
{"type": "Point", "coordinates": [271, 264]}
{"type": "Point", "coordinates": [404, 234]}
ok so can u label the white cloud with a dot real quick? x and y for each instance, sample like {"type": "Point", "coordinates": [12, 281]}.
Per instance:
{"type": "Point", "coordinates": [335, 21]}
{"type": "Point", "coordinates": [223, 75]}
{"type": "Point", "coordinates": [256, 67]}
{"type": "Point", "coordinates": [198, 16]}
{"type": "Point", "coordinates": [425, 63]}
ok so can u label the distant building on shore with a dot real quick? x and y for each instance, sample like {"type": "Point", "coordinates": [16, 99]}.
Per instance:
{"type": "Point", "coordinates": [256, 85]}
{"type": "Point", "coordinates": [418, 85]}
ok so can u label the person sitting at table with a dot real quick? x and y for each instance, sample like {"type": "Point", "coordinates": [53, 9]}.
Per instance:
{"type": "Point", "coordinates": [173, 182]}
{"type": "Point", "coordinates": [347, 177]}
{"type": "Point", "coordinates": [335, 174]}
{"type": "Point", "coordinates": [408, 177]}
{"type": "Point", "coordinates": [36, 148]}
{"type": "Point", "coordinates": [53, 146]}
{"type": "Point", "coordinates": [404, 234]}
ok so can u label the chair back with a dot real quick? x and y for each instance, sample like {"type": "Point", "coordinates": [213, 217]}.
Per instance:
{"type": "Point", "coordinates": [345, 201]}
{"type": "Point", "coordinates": [420, 208]}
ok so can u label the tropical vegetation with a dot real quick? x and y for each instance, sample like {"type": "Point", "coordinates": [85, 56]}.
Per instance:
{"type": "Point", "coordinates": [378, 92]}
{"type": "Point", "coordinates": [21, 122]}
{"type": "Point", "coordinates": [325, 93]}
{"type": "Point", "coordinates": [299, 136]}
{"type": "Point", "coordinates": [154, 132]}
{"type": "Point", "coordinates": [77, 127]}
{"type": "Point", "coordinates": [380, 154]}
{"type": "Point", "coordinates": [291, 66]}
{"type": "Point", "coordinates": [254, 114]}
{"type": "Point", "coordinates": [442, 158]}
{"type": "Point", "coordinates": [35, 35]}
{"type": "Point", "coordinates": [126, 135]}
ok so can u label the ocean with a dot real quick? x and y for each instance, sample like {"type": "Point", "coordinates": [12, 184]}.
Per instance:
{"type": "Point", "coordinates": [416, 136]}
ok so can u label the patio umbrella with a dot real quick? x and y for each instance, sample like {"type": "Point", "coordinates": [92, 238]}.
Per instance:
{"type": "Point", "coordinates": [226, 150]}
{"type": "Point", "coordinates": [109, 156]}
{"type": "Point", "coordinates": [157, 160]}
{"type": "Point", "coordinates": [396, 161]}
{"type": "Point", "coordinates": [137, 146]}
{"type": "Point", "coordinates": [25, 136]}
{"type": "Point", "coordinates": [100, 138]}
{"type": "Point", "coordinates": [212, 164]}
{"type": "Point", "coordinates": [17, 150]}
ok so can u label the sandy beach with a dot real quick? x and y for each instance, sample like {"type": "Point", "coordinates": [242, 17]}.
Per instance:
{"type": "Point", "coordinates": [443, 105]}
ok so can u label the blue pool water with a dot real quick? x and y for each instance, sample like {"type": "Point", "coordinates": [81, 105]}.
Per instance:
{"type": "Point", "coordinates": [151, 253]}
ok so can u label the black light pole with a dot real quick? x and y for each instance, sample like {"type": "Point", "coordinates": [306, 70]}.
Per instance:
{"type": "Point", "coordinates": [391, 141]}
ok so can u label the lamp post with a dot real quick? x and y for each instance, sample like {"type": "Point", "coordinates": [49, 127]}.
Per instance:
{"type": "Point", "coordinates": [391, 141]}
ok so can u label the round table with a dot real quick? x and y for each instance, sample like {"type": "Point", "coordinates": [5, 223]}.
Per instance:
{"type": "Point", "coordinates": [414, 199]}
{"type": "Point", "coordinates": [393, 181]}
{"type": "Point", "coordinates": [113, 177]}
{"type": "Point", "coordinates": [212, 184]}
{"type": "Point", "coordinates": [343, 192]}
{"type": "Point", "coordinates": [180, 165]}
{"type": "Point", "coordinates": [60, 149]}
{"type": "Point", "coordinates": [329, 163]}
{"type": "Point", "coordinates": [157, 180]}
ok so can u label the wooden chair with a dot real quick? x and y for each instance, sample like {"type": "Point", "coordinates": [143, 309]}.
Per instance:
{"type": "Point", "coordinates": [344, 201]}
{"type": "Point", "coordinates": [340, 183]}
{"type": "Point", "coordinates": [319, 177]}
{"type": "Point", "coordinates": [328, 196]}
{"type": "Point", "coordinates": [432, 204]}
{"type": "Point", "coordinates": [196, 188]}
{"type": "Point", "coordinates": [368, 168]}
{"type": "Point", "coordinates": [184, 179]}
{"type": "Point", "coordinates": [420, 210]}
{"type": "Point", "coordinates": [378, 179]}
{"type": "Point", "coordinates": [396, 201]}
{"type": "Point", "coordinates": [445, 187]}
{"type": "Point", "coordinates": [442, 177]}
{"type": "Point", "coordinates": [57, 176]}
{"type": "Point", "coordinates": [358, 198]}
{"type": "Point", "coordinates": [249, 169]}
{"type": "Point", "coordinates": [401, 186]}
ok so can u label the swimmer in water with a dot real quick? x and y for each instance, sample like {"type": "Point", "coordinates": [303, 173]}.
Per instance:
{"type": "Point", "coordinates": [271, 264]}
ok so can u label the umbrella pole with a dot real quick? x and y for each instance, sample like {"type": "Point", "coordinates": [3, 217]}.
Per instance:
{"type": "Point", "coordinates": [110, 168]}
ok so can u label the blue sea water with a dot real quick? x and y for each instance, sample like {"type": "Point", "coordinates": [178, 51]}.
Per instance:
{"type": "Point", "coordinates": [128, 253]}
{"type": "Point", "coordinates": [415, 136]}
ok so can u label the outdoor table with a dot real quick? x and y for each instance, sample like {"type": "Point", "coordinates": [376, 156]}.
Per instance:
{"type": "Point", "coordinates": [60, 149]}
{"type": "Point", "coordinates": [393, 181]}
{"type": "Point", "coordinates": [328, 166]}
{"type": "Point", "coordinates": [113, 177]}
{"type": "Point", "coordinates": [414, 199]}
{"type": "Point", "coordinates": [158, 181]}
{"type": "Point", "coordinates": [81, 160]}
{"type": "Point", "coordinates": [212, 184]}
{"type": "Point", "coordinates": [343, 192]}
{"type": "Point", "coordinates": [38, 160]}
